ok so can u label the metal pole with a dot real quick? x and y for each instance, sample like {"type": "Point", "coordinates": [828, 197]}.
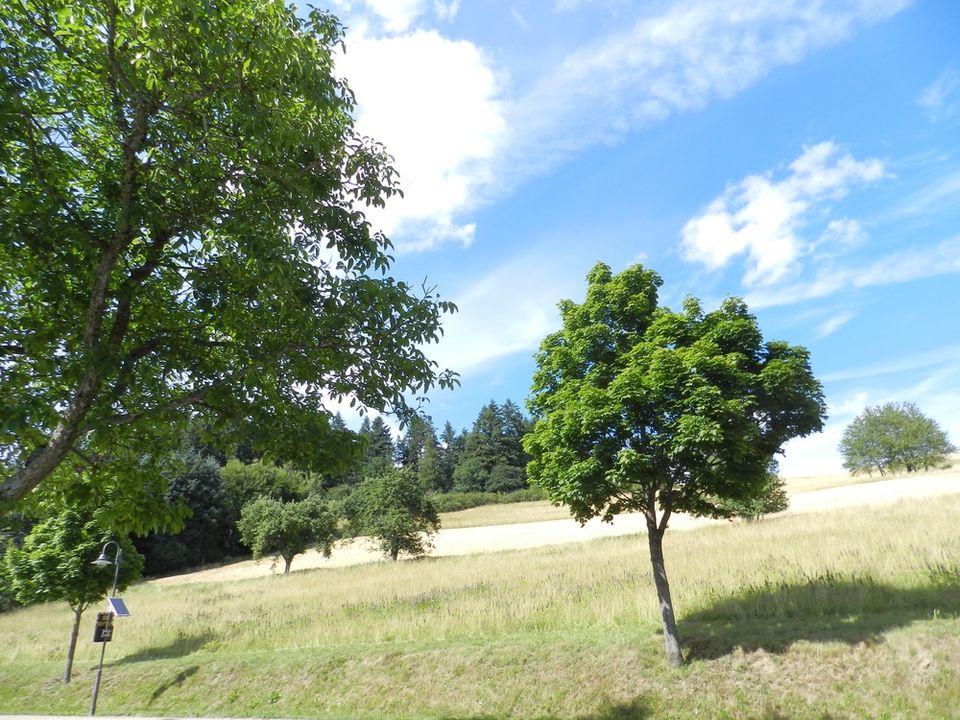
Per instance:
{"type": "Point", "coordinates": [96, 682]}
{"type": "Point", "coordinates": [103, 645]}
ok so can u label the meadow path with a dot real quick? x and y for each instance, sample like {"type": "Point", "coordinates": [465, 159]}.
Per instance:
{"type": "Point", "coordinates": [494, 538]}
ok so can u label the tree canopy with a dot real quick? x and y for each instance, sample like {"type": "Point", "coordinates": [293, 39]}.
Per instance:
{"type": "Point", "coordinates": [182, 231]}
{"type": "Point", "coordinates": [893, 437]}
{"type": "Point", "coordinates": [393, 509]}
{"type": "Point", "coordinates": [641, 408]}
{"type": "Point", "coordinates": [286, 529]}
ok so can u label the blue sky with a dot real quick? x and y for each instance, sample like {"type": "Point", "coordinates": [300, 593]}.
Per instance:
{"type": "Point", "coordinates": [803, 155]}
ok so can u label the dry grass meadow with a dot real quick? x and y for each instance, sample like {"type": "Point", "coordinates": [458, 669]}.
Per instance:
{"type": "Point", "coordinates": [845, 613]}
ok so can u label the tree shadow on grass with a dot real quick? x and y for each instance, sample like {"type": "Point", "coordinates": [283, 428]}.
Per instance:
{"type": "Point", "coordinates": [636, 709]}
{"type": "Point", "coordinates": [180, 646]}
{"type": "Point", "coordinates": [826, 608]}
{"type": "Point", "coordinates": [176, 681]}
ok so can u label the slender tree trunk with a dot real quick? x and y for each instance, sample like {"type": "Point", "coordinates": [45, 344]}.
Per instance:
{"type": "Point", "coordinates": [394, 552]}
{"type": "Point", "coordinates": [286, 564]}
{"type": "Point", "coordinates": [670, 637]}
{"type": "Point", "coordinates": [74, 633]}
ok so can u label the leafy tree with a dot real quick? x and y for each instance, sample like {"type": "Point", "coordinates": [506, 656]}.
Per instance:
{"type": "Point", "coordinates": [182, 229]}
{"type": "Point", "coordinates": [493, 458]}
{"type": "Point", "coordinates": [55, 562]}
{"type": "Point", "coordinates": [285, 529]}
{"type": "Point", "coordinates": [892, 437]}
{"type": "Point", "coordinates": [242, 484]}
{"type": "Point", "coordinates": [772, 498]}
{"type": "Point", "coordinates": [208, 534]}
{"type": "Point", "coordinates": [394, 509]}
{"type": "Point", "coordinates": [640, 408]}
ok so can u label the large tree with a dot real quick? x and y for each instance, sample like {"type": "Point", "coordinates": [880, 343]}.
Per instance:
{"type": "Point", "coordinates": [181, 229]}
{"type": "Point", "coordinates": [892, 437]}
{"type": "Point", "coordinates": [639, 408]}
{"type": "Point", "coordinates": [55, 562]}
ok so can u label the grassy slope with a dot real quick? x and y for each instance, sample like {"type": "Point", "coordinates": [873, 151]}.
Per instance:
{"type": "Point", "coordinates": [851, 613]}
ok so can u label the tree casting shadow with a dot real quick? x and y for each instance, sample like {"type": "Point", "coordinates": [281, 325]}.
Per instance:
{"type": "Point", "coordinates": [180, 646]}
{"type": "Point", "coordinates": [823, 609]}
{"type": "Point", "coordinates": [177, 681]}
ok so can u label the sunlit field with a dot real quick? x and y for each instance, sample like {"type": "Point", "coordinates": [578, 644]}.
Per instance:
{"type": "Point", "coordinates": [850, 613]}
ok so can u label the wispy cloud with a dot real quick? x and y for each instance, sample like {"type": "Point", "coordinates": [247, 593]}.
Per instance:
{"type": "Point", "coordinates": [899, 267]}
{"type": "Point", "coordinates": [941, 98]}
{"type": "Point", "coordinates": [674, 61]}
{"type": "Point", "coordinates": [831, 325]}
{"type": "Point", "coordinates": [947, 355]}
{"type": "Point", "coordinates": [761, 217]}
{"type": "Point", "coordinates": [503, 312]}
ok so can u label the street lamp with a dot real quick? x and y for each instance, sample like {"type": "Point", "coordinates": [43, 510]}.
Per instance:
{"type": "Point", "coordinates": [104, 560]}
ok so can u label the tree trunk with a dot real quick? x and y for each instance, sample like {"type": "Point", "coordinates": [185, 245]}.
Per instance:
{"type": "Point", "coordinates": [670, 637]}
{"type": "Point", "coordinates": [394, 552]}
{"type": "Point", "coordinates": [286, 564]}
{"type": "Point", "coordinates": [74, 633]}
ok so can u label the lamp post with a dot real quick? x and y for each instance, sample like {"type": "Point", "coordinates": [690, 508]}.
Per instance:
{"type": "Point", "coordinates": [104, 560]}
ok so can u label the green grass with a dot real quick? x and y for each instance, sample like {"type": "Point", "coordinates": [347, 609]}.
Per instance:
{"type": "Point", "coordinates": [852, 613]}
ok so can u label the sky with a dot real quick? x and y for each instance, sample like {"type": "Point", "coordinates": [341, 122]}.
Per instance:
{"type": "Point", "coordinates": [802, 155]}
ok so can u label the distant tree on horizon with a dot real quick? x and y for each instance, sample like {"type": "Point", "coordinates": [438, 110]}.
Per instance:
{"type": "Point", "coordinates": [893, 437]}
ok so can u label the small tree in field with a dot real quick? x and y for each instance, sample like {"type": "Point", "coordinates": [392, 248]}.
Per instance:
{"type": "Point", "coordinates": [893, 437]}
{"type": "Point", "coordinates": [287, 529]}
{"type": "Point", "coordinates": [638, 408]}
{"type": "Point", "coordinates": [393, 509]}
{"type": "Point", "coordinates": [55, 562]}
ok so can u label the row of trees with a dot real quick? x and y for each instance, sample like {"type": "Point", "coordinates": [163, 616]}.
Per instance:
{"type": "Point", "coordinates": [488, 457]}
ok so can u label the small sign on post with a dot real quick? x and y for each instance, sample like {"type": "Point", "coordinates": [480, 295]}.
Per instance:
{"type": "Point", "coordinates": [103, 630]}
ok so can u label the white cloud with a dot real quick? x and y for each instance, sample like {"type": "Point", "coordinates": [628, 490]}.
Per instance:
{"type": "Point", "coordinates": [677, 60]}
{"type": "Point", "coordinates": [899, 267]}
{"type": "Point", "coordinates": [446, 10]}
{"type": "Point", "coordinates": [442, 110]}
{"type": "Point", "coordinates": [941, 99]}
{"type": "Point", "coordinates": [831, 325]}
{"type": "Point", "coordinates": [761, 217]}
{"type": "Point", "coordinates": [434, 103]}
{"type": "Point", "coordinates": [948, 355]}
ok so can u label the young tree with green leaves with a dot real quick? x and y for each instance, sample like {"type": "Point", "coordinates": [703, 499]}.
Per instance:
{"type": "Point", "coordinates": [55, 562]}
{"type": "Point", "coordinates": [393, 509]}
{"type": "Point", "coordinates": [182, 230]}
{"type": "Point", "coordinates": [893, 437]}
{"type": "Point", "coordinates": [639, 408]}
{"type": "Point", "coordinates": [286, 529]}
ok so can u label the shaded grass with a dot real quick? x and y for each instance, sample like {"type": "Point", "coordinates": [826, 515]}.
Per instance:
{"type": "Point", "coordinates": [850, 613]}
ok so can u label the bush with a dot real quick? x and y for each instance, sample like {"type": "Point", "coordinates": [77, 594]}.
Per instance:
{"type": "Point", "coordinates": [454, 501]}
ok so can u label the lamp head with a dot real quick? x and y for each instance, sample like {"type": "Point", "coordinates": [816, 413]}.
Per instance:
{"type": "Point", "coordinates": [103, 559]}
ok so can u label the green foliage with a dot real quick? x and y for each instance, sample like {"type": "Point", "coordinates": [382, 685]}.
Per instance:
{"type": "Point", "coordinates": [208, 534]}
{"type": "Point", "coordinates": [378, 446]}
{"type": "Point", "coordinates": [893, 437]}
{"type": "Point", "coordinates": [492, 457]}
{"type": "Point", "coordinates": [182, 229]}
{"type": "Point", "coordinates": [242, 484]}
{"type": "Point", "coordinates": [771, 498]}
{"type": "Point", "coordinates": [454, 501]}
{"type": "Point", "coordinates": [393, 509]}
{"type": "Point", "coordinates": [640, 408]}
{"type": "Point", "coordinates": [55, 562]}
{"type": "Point", "coordinates": [285, 529]}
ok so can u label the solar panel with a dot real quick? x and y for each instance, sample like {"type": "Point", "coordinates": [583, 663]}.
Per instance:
{"type": "Point", "coordinates": [118, 607]}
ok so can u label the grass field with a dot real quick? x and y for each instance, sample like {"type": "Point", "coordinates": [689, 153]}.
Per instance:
{"type": "Point", "coordinates": [852, 613]}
